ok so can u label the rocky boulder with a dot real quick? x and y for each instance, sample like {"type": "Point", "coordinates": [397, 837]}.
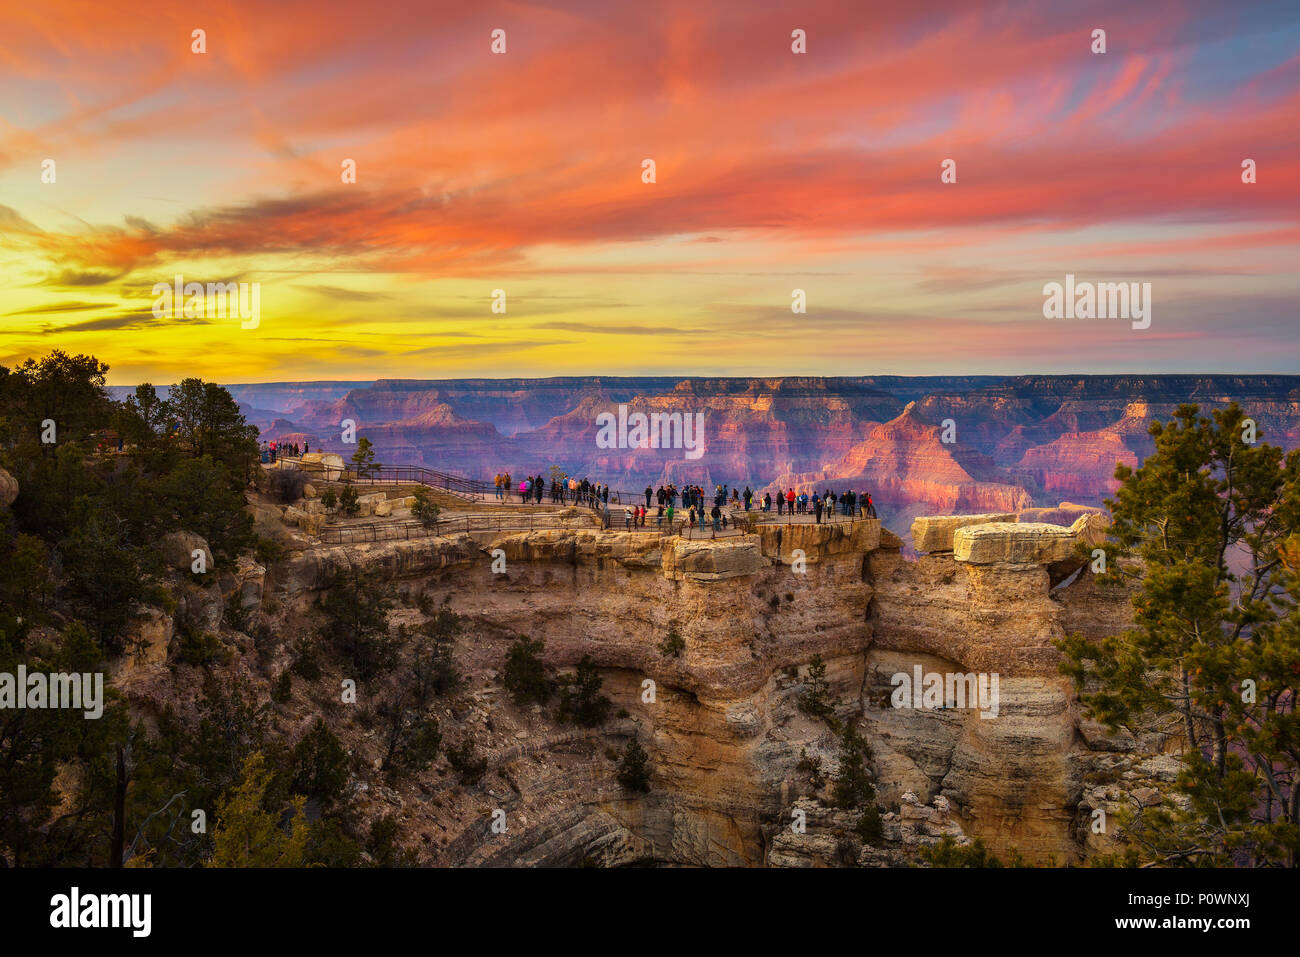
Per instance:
{"type": "Point", "coordinates": [8, 488]}
{"type": "Point", "coordinates": [1090, 528]}
{"type": "Point", "coordinates": [328, 465]}
{"type": "Point", "coordinates": [1064, 514]}
{"type": "Point", "coordinates": [1013, 543]}
{"type": "Point", "coordinates": [309, 522]}
{"type": "Point", "coordinates": [934, 533]}
{"type": "Point", "coordinates": [632, 549]}
{"type": "Point", "coordinates": [178, 550]}
{"type": "Point", "coordinates": [550, 545]}
{"type": "Point", "coordinates": [148, 636]}
{"type": "Point", "coordinates": [709, 561]}
{"type": "Point", "coordinates": [818, 543]}
{"type": "Point", "coordinates": [244, 586]}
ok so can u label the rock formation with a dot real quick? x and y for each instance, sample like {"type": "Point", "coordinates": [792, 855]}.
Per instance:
{"type": "Point", "coordinates": [8, 488]}
{"type": "Point", "coordinates": [1014, 443]}
{"type": "Point", "coordinates": [723, 724]}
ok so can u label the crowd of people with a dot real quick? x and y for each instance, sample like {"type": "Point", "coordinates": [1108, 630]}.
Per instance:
{"type": "Point", "coordinates": [562, 491]}
{"type": "Point", "coordinates": [275, 449]}
{"type": "Point", "coordinates": [827, 503]}
{"type": "Point", "coordinates": [697, 507]}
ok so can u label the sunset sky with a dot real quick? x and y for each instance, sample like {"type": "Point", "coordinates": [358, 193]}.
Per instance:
{"type": "Point", "coordinates": [775, 170]}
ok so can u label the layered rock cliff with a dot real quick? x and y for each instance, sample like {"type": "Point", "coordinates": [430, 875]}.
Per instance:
{"type": "Point", "coordinates": [728, 741]}
{"type": "Point", "coordinates": [730, 745]}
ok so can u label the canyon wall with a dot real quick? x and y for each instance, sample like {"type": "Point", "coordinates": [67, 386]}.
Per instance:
{"type": "Point", "coordinates": [920, 445]}
{"type": "Point", "coordinates": [723, 727]}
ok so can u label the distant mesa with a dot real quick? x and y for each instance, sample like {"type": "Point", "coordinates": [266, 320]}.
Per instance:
{"type": "Point", "coordinates": [1022, 443]}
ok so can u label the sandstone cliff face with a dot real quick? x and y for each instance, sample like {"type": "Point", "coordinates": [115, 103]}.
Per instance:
{"type": "Point", "coordinates": [721, 720]}
{"type": "Point", "coordinates": [909, 471]}
{"type": "Point", "coordinates": [1078, 464]}
{"type": "Point", "coordinates": [723, 725]}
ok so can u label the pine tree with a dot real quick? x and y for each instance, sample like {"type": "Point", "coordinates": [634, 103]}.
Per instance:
{"type": "Point", "coordinates": [425, 510]}
{"type": "Point", "coordinates": [673, 644]}
{"type": "Point", "coordinates": [816, 697]}
{"type": "Point", "coordinates": [1213, 648]}
{"type": "Point", "coordinates": [524, 675]}
{"type": "Point", "coordinates": [249, 835]}
{"type": "Point", "coordinates": [364, 458]}
{"type": "Point", "coordinates": [320, 764]}
{"type": "Point", "coordinates": [580, 697]}
{"type": "Point", "coordinates": [634, 770]}
{"type": "Point", "coordinates": [853, 787]}
{"type": "Point", "coordinates": [356, 610]}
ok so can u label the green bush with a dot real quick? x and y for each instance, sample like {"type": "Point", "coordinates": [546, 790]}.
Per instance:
{"type": "Point", "coordinates": [816, 698]}
{"type": "Point", "coordinates": [853, 787]}
{"type": "Point", "coordinates": [634, 771]}
{"type": "Point", "coordinates": [467, 763]}
{"type": "Point", "coordinates": [425, 510]}
{"type": "Point", "coordinates": [948, 853]}
{"type": "Point", "coordinates": [524, 675]}
{"type": "Point", "coordinates": [674, 644]}
{"type": "Point", "coordinates": [580, 697]}
{"type": "Point", "coordinates": [320, 764]}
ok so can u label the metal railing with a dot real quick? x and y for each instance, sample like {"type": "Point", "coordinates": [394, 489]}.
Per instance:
{"type": "Point", "coordinates": [739, 523]}
{"type": "Point", "coordinates": [351, 533]}
{"type": "Point", "coordinates": [457, 485]}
